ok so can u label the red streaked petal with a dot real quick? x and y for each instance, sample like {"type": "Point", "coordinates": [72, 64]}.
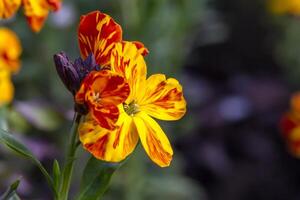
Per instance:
{"type": "Point", "coordinates": [141, 48]}
{"type": "Point", "coordinates": [111, 146]}
{"type": "Point", "coordinates": [126, 60]}
{"type": "Point", "coordinates": [97, 33]}
{"type": "Point", "coordinates": [153, 139]}
{"type": "Point", "coordinates": [163, 98]}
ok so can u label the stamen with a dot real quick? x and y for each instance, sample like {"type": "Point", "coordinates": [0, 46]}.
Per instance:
{"type": "Point", "coordinates": [132, 108]}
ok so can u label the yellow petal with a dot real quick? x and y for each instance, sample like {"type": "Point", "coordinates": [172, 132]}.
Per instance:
{"type": "Point", "coordinates": [8, 8]}
{"type": "Point", "coordinates": [163, 98]}
{"type": "Point", "coordinates": [111, 146]}
{"type": "Point", "coordinates": [6, 88]}
{"type": "Point", "coordinates": [128, 61]}
{"type": "Point", "coordinates": [10, 50]}
{"type": "Point", "coordinates": [154, 140]}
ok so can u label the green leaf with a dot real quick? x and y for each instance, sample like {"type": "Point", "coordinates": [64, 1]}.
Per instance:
{"type": "Point", "coordinates": [11, 194]}
{"type": "Point", "coordinates": [56, 174]}
{"type": "Point", "coordinates": [95, 179]}
{"type": "Point", "coordinates": [12, 143]}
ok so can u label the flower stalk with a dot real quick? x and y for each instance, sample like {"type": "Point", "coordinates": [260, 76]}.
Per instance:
{"type": "Point", "coordinates": [70, 158]}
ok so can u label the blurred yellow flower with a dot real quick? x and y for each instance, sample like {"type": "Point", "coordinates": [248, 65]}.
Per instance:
{"type": "Point", "coordinates": [285, 7]}
{"type": "Point", "coordinates": [36, 11]}
{"type": "Point", "coordinates": [156, 97]}
{"type": "Point", "coordinates": [10, 51]}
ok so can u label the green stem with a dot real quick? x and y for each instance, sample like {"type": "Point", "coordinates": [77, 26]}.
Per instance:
{"type": "Point", "coordinates": [68, 169]}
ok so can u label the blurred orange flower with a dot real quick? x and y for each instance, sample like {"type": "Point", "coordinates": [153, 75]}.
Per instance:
{"type": "Point", "coordinates": [290, 126]}
{"type": "Point", "coordinates": [36, 11]}
{"type": "Point", "coordinates": [156, 96]}
{"type": "Point", "coordinates": [8, 8]}
{"type": "Point", "coordinates": [10, 51]}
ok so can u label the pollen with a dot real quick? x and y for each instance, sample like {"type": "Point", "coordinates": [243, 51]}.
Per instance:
{"type": "Point", "coordinates": [132, 108]}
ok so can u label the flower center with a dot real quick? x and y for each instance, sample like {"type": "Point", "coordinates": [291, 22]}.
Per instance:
{"type": "Point", "coordinates": [96, 97]}
{"type": "Point", "coordinates": [131, 108]}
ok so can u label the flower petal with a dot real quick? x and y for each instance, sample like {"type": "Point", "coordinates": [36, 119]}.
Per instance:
{"type": "Point", "coordinates": [153, 139]}
{"type": "Point", "coordinates": [97, 33]}
{"type": "Point", "coordinates": [163, 98]}
{"type": "Point", "coordinates": [111, 146]}
{"type": "Point", "coordinates": [127, 60]}
{"type": "Point", "coordinates": [10, 50]}
{"type": "Point", "coordinates": [8, 8]}
{"type": "Point", "coordinates": [6, 87]}
{"type": "Point", "coordinates": [141, 47]}
{"type": "Point", "coordinates": [111, 87]}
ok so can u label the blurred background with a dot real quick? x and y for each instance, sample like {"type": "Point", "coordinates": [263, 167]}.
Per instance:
{"type": "Point", "coordinates": [238, 62]}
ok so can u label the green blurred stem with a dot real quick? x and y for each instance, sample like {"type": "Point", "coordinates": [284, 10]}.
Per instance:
{"type": "Point", "coordinates": [70, 158]}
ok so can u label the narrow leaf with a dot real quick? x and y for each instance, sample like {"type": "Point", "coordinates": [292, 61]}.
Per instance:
{"type": "Point", "coordinates": [95, 179]}
{"type": "Point", "coordinates": [12, 143]}
{"type": "Point", "coordinates": [11, 194]}
{"type": "Point", "coordinates": [56, 174]}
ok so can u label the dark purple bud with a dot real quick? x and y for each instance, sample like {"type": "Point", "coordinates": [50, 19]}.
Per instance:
{"type": "Point", "coordinates": [72, 74]}
{"type": "Point", "coordinates": [84, 67]}
{"type": "Point", "coordinates": [67, 72]}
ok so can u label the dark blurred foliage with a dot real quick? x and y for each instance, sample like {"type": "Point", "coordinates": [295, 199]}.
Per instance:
{"type": "Point", "coordinates": [234, 148]}
{"type": "Point", "coordinates": [238, 64]}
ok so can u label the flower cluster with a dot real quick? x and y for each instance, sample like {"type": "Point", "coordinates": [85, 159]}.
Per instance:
{"type": "Point", "coordinates": [10, 51]}
{"type": "Point", "coordinates": [36, 11]}
{"type": "Point", "coordinates": [110, 86]}
{"type": "Point", "coordinates": [290, 126]}
{"type": "Point", "coordinates": [285, 7]}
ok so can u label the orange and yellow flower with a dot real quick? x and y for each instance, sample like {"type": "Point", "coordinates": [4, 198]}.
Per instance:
{"type": "Point", "coordinates": [10, 51]}
{"type": "Point", "coordinates": [36, 11]}
{"type": "Point", "coordinates": [156, 97]}
{"type": "Point", "coordinates": [285, 7]}
{"type": "Point", "coordinates": [8, 8]}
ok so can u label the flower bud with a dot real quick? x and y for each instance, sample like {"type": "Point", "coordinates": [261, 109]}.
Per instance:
{"type": "Point", "coordinates": [72, 74]}
{"type": "Point", "coordinates": [67, 72]}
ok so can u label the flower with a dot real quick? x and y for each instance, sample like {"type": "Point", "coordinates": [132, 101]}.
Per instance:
{"type": "Point", "coordinates": [10, 51]}
{"type": "Point", "coordinates": [36, 11]}
{"type": "Point", "coordinates": [290, 126]}
{"type": "Point", "coordinates": [8, 8]}
{"type": "Point", "coordinates": [285, 7]}
{"type": "Point", "coordinates": [156, 97]}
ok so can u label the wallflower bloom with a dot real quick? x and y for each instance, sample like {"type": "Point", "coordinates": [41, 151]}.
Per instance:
{"type": "Point", "coordinates": [285, 6]}
{"type": "Point", "coordinates": [36, 11]}
{"type": "Point", "coordinates": [156, 97]}
{"type": "Point", "coordinates": [290, 126]}
{"type": "Point", "coordinates": [10, 51]}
